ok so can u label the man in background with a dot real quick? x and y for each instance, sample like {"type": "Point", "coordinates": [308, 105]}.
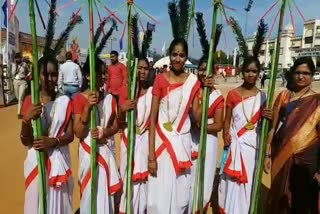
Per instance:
{"type": "Point", "coordinates": [283, 77]}
{"type": "Point", "coordinates": [70, 77]}
{"type": "Point", "coordinates": [19, 71]}
{"type": "Point", "coordinates": [116, 75]}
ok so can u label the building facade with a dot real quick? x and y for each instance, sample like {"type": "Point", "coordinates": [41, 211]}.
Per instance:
{"type": "Point", "coordinates": [292, 47]}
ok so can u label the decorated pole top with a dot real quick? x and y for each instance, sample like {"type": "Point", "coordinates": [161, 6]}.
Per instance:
{"type": "Point", "coordinates": [130, 2]}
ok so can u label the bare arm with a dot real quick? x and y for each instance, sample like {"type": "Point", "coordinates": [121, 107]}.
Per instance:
{"type": "Point", "coordinates": [152, 129]}
{"type": "Point", "coordinates": [197, 108]}
{"type": "Point", "coordinates": [68, 136]}
{"type": "Point", "coordinates": [152, 162]}
{"type": "Point", "coordinates": [275, 119]}
{"type": "Point", "coordinates": [226, 126]}
{"type": "Point", "coordinates": [112, 127]}
{"type": "Point", "coordinates": [44, 142]}
{"type": "Point", "coordinates": [80, 123]}
{"type": "Point", "coordinates": [26, 134]}
{"type": "Point", "coordinates": [218, 122]}
{"type": "Point", "coordinates": [122, 115]}
{"type": "Point", "coordinates": [124, 108]}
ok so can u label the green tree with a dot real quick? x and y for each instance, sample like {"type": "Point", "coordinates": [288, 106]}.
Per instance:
{"type": "Point", "coordinates": [223, 58]}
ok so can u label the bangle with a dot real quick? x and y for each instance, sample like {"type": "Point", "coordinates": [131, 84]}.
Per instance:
{"type": "Point", "coordinates": [268, 155]}
{"type": "Point", "coordinates": [58, 142]}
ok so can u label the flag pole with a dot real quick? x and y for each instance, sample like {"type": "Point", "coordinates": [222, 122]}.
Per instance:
{"type": "Point", "coordinates": [35, 96]}
{"type": "Point", "coordinates": [265, 124]}
{"type": "Point", "coordinates": [199, 177]}
{"type": "Point", "coordinates": [93, 124]}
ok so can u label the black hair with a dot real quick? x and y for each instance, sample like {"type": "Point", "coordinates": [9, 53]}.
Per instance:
{"type": "Point", "coordinates": [249, 60]}
{"type": "Point", "coordinates": [300, 61]}
{"type": "Point", "coordinates": [86, 72]}
{"type": "Point", "coordinates": [43, 62]}
{"type": "Point", "coordinates": [179, 41]}
{"type": "Point", "coordinates": [202, 60]}
{"type": "Point", "coordinates": [68, 55]}
{"type": "Point", "coordinates": [17, 55]}
{"type": "Point", "coordinates": [304, 60]}
{"type": "Point", "coordinates": [144, 59]}
{"type": "Point", "coordinates": [42, 66]}
{"type": "Point", "coordinates": [114, 53]}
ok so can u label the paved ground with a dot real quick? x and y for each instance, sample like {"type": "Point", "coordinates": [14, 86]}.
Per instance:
{"type": "Point", "coordinates": [13, 154]}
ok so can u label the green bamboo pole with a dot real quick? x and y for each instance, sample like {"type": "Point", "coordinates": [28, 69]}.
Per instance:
{"type": "Point", "coordinates": [131, 114]}
{"type": "Point", "coordinates": [193, 4]}
{"type": "Point", "coordinates": [199, 177]}
{"type": "Point", "coordinates": [35, 96]}
{"type": "Point", "coordinates": [254, 208]}
{"type": "Point", "coordinates": [131, 134]}
{"type": "Point", "coordinates": [93, 122]}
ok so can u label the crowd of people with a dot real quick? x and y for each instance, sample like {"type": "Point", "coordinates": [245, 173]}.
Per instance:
{"type": "Point", "coordinates": [168, 118]}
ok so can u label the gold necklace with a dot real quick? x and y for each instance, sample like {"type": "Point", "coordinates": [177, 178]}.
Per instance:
{"type": "Point", "coordinates": [139, 124]}
{"type": "Point", "coordinates": [250, 125]}
{"type": "Point", "coordinates": [168, 125]}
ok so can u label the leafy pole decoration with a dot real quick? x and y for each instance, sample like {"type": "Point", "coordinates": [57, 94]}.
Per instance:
{"type": "Point", "coordinates": [132, 72]}
{"type": "Point", "coordinates": [35, 96]}
{"type": "Point", "coordinates": [265, 124]}
{"type": "Point", "coordinates": [131, 114]}
{"type": "Point", "coordinates": [93, 124]}
{"type": "Point", "coordinates": [249, 5]}
{"type": "Point", "coordinates": [199, 177]}
{"type": "Point", "coordinates": [247, 9]}
{"type": "Point", "coordinates": [192, 13]}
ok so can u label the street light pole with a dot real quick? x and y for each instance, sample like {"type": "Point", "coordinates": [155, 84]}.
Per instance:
{"type": "Point", "coordinates": [111, 41]}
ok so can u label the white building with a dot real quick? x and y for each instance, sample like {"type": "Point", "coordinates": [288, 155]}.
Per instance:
{"type": "Point", "coordinates": [123, 58]}
{"type": "Point", "coordinates": [293, 47]}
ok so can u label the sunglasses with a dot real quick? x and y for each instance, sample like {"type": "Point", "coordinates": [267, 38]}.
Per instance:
{"type": "Point", "coordinates": [304, 73]}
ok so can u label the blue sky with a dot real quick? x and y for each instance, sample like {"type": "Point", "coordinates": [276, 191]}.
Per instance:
{"type": "Point", "coordinates": [158, 9]}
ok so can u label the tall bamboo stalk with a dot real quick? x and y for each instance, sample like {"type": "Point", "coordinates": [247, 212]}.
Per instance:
{"type": "Point", "coordinates": [131, 114]}
{"type": "Point", "coordinates": [93, 122]}
{"type": "Point", "coordinates": [265, 124]}
{"type": "Point", "coordinates": [131, 134]}
{"type": "Point", "coordinates": [193, 4]}
{"type": "Point", "coordinates": [199, 177]}
{"type": "Point", "coordinates": [35, 96]}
